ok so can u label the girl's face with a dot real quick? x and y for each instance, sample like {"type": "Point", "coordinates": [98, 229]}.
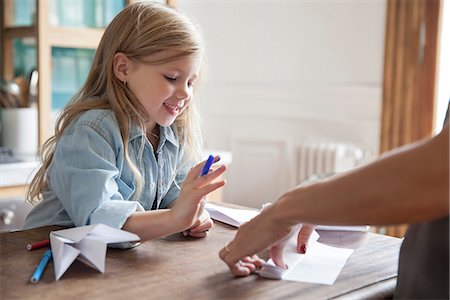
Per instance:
{"type": "Point", "coordinates": [164, 90]}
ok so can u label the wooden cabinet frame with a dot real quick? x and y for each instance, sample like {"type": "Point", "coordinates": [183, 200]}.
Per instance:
{"type": "Point", "coordinates": [409, 75]}
{"type": "Point", "coordinates": [46, 36]}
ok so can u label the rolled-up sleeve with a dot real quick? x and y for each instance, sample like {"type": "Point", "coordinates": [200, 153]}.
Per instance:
{"type": "Point", "coordinates": [83, 176]}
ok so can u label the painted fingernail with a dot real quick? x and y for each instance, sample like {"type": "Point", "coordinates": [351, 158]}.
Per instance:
{"type": "Point", "coordinates": [303, 249]}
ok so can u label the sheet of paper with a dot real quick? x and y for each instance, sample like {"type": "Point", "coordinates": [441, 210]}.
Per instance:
{"type": "Point", "coordinates": [86, 243]}
{"type": "Point", "coordinates": [363, 228]}
{"type": "Point", "coordinates": [236, 217]}
{"type": "Point", "coordinates": [231, 216]}
{"type": "Point", "coordinates": [321, 263]}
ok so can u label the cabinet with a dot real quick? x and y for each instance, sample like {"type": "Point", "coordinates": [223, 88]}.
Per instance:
{"type": "Point", "coordinates": [39, 26]}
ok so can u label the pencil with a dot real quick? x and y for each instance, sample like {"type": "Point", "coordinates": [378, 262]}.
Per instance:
{"type": "Point", "coordinates": [41, 267]}
{"type": "Point", "coordinates": [38, 245]}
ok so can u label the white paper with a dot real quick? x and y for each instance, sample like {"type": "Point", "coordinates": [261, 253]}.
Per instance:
{"type": "Point", "coordinates": [231, 216]}
{"type": "Point", "coordinates": [236, 217]}
{"type": "Point", "coordinates": [85, 243]}
{"type": "Point", "coordinates": [363, 228]}
{"type": "Point", "coordinates": [321, 263]}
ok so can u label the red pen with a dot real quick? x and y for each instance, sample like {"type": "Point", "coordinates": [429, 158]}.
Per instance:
{"type": "Point", "coordinates": [38, 245]}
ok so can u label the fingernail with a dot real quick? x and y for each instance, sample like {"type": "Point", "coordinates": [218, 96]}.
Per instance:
{"type": "Point", "coordinates": [185, 233]}
{"type": "Point", "coordinates": [303, 249]}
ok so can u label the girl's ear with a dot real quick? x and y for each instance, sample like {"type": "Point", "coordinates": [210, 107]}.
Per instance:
{"type": "Point", "coordinates": [121, 66]}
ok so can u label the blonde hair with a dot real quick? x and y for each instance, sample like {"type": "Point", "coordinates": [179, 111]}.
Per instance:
{"type": "Point", "coordinates": [139, 30]}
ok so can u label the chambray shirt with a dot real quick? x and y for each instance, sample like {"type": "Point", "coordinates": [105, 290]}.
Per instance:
{"type": "Point", "coordinates": [89, 181]}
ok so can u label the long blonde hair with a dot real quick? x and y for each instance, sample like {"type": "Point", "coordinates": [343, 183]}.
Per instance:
{"type": "Point", "coordinates": [139, 30]}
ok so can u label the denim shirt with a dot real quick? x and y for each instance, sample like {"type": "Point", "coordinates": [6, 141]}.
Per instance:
{"type": "Point", "coordinates": [89, 181]}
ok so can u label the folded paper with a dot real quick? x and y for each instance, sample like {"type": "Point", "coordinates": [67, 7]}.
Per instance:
{"type": "Point", "coordinates": [87, 244]}
{"type": "Point", "coordinates": [321, 263]}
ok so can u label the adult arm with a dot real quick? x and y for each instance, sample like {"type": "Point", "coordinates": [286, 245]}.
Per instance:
{"type": "Point", "coordinates": [407, 185]}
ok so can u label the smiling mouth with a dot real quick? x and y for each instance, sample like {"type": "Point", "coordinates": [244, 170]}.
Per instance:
{"type": "Point", "coordinates": [173, 109]}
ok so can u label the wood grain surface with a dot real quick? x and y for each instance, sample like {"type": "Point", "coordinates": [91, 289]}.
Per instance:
{"type": "Point", "coordinates": [177, 267]}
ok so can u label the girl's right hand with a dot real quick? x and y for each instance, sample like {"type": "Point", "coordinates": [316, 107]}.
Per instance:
{"type": "Point", "coordinates": [189, 205]}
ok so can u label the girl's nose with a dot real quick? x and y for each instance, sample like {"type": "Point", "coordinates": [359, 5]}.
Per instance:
{"type": "Point", "coordinates": [182, 93]}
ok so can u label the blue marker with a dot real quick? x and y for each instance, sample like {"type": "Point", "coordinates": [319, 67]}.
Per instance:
{"type": "Point", "coordinates": [207, 165]}
{"type": "Point", "coordinates": [41, 267]}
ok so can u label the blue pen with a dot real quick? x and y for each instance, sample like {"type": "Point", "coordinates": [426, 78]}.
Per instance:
{"type": "Point", "coordinates": [41, 267]}
{"type": "Point", "coordinates": [207, 165]}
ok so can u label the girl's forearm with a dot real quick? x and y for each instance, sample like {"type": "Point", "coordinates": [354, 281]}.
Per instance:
{"type": "Point", "coordinates": [407, 186]}
{"type": "Point", "coordinates": [153, 224]}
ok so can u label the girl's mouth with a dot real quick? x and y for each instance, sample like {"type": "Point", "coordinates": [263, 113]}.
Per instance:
{"type": "Point", "coordinates": [172, 109]}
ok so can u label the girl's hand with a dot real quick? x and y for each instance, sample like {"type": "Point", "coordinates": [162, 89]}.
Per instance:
{"type": "Point", "coordinates": [189, 206]}
{"type": "Point", "coordinates": [201, 227]}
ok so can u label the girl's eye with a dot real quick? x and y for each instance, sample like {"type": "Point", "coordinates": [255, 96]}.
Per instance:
{"type": "Point", "coordinates": [169, 78]}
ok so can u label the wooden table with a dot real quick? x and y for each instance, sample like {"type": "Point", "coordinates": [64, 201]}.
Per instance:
{"type": "Point", "coordinates": [186, 268]}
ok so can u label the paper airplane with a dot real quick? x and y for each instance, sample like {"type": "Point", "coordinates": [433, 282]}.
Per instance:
{"type": "Point", "coordinates": [87, 244]}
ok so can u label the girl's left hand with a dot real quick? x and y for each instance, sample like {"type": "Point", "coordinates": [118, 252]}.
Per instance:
{"type": "Point", "coordinates": [201, 227]}
{"type": "Point", "coordinates": [189, 207]}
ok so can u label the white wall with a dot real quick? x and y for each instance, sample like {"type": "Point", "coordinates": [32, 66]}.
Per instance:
{"type": "Point", "coordinates": [283, 71]}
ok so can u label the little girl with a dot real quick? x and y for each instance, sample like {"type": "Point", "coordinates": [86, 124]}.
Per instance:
{"type": "Point", "coordinates": [129, 137]}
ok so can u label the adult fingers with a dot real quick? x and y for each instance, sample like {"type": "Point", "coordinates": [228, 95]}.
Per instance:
{"type": "Point", "coordinates": [255, 260]}
{"type": "Point", "coordinates": [276, 253]}
{"type": "Point", "coordinates": [237, 267]}
{"type": "Point", "coordinates": [303, 237]}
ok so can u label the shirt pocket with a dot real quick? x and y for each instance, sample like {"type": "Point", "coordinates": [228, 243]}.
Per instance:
{"type": "Point", "coordinates": [125, 189]}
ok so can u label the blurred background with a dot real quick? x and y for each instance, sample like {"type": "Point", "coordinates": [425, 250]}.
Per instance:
{"type": "Point", "coordinates": [294, 90]}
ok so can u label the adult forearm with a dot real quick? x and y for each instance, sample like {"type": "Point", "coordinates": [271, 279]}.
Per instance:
{"type": "Point", "coordinates": [406, 186]}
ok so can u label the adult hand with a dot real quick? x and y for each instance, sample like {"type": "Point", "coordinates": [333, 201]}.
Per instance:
{"type": "Point", "coordinates": [201, 227]}
{"type": "Point", "coordinates": [276, 251]}
{"type": "Point", "coordinates": [189, 206]}
{"type": "Point", "coordinates": [263, 231]}
{"type": "Point", "coordinates": [303, 237]}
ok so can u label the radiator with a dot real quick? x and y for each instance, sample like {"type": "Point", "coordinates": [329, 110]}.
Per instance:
{"type": "Point", "coordinates": [318, 159]}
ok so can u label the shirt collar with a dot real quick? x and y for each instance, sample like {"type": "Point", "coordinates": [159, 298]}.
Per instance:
{"type": "Point", "coordinates": [166, 134]}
